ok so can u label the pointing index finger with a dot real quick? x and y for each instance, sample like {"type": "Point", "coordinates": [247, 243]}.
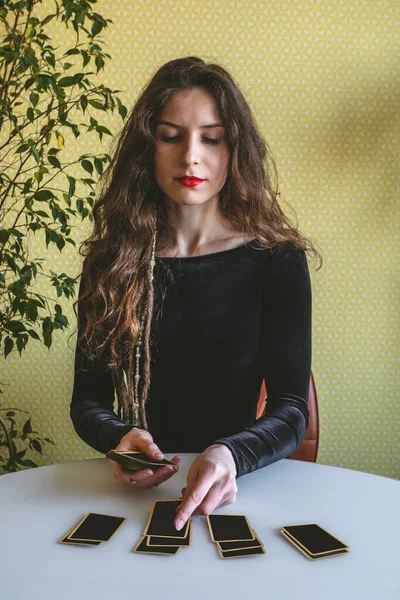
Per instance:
{"type": "Point", "coordinates": [193, 497]}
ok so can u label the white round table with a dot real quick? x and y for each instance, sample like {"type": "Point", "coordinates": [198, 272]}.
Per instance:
{"type": "Point", "coordinates": [38, 506]}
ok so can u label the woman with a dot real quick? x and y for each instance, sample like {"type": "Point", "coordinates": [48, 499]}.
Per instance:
{"type": "Point", "coordinates": [195, 287]}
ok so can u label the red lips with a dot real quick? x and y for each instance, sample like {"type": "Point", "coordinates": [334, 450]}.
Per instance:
{"type": "Point", "coordinates": [189, 181]}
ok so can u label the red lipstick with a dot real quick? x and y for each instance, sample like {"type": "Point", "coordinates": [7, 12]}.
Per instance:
{"type": "Point", "coordinates": [189, 181]}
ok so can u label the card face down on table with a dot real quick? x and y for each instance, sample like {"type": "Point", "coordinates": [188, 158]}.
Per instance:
{"type": "Point", "coordinates": [234, 536]}
{"type": "Point", "coordinates": [229, 528]}
{"type": "Point", "coordinates": [160, 535]}
{"type": "Point", "coordinates": [314, 541]}
{"type": "Point", "coordinates": [93, 530]}
{"type": "Point", "coordinates": [132, 460]}
{"type": "Point", "coordinates": [161, 520]}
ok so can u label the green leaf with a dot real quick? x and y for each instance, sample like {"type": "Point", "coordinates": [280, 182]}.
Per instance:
{"type": "Point", "coordinates": [61, 321]}
{"type": "Point", "coordinates": [99, 62]}
{"type": "Point", "coordinates": [87, 165]}
{"type": "Point", "coordinates": [78, 77]}
{"type": "Point", "coordinates": [72, 184]}
{"type": "Point", "coordinates": [27, 185]}
{"type": "Point", "coordinates": [96, 28]}
{"type": "Point", "coordinates": [53, 160]}
{"type": "Point", "coordinates": [31, 310]}
{"type": "Point", "coordinates": [36, 155]}
{"type": "Point", "coordinates": [29, 82]}
{"type": "Point", "coordinates": [28, 463]}
{"type": "Point", "coordinates": [103, 129]}
{"type": "Point", "coordinates": [21, 343]}
{"type": "Point", "coordinates": [8, 346]}
{"type": "Point", "coordinates": [10, 413]}
{"type": "Point", "coordinates": [16, 233]}
{"type": "Point", "coordinates": [50, 59]}
{"type": "Point", "coordinates": [33, 334]}
{"type": "Point", "coordinates": [43, 195]}
{"type": "Point", "coordinates": [79, 205]}
{"type": "Point", "coordinates": [4, 235]}
{"type": "Point", "coordinates": [47, 19]}
{"type": "Point", "coordinates": [34, 98]}
{"type": "Point", "coordinates": [122, 111]}
{"type": "Point", "coordinates": [22, 148]}
{"type": "Point", "coordinates": [85, 58]}
{"type": "Point", "coordinates": [66, 81]}
{"type": "Point", "coordinates": [98, 165]}
{"type": "Point", "coordinates": [60, 243]}
{"type": "Point", "coordinates": [16, 327]}
{"type": "Point", "coordinates": [18, 455]}
{"type": "Point", "coordinates": [84, 102]}
{"type": "Point", "coordinates": [38, 176]}
{"type": "Point", "coordinates": [47, 328]}
{"type": "Point", "coordinates": [36, 446]}
{"type": "Point", "coordinates": [97, 104]}
{"type": "Point", "coordinates": [27, 428]}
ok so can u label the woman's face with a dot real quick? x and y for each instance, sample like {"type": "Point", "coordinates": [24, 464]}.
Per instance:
{"type": "Point", "coordinates": [190, 141]}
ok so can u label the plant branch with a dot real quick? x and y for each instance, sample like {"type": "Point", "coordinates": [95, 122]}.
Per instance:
{"type": "Point", "coordinates": [3, 90]}
{"type": "Point", "coordinates": [8, 437]}
{"type": "Point", "coordinates": [31, 5]}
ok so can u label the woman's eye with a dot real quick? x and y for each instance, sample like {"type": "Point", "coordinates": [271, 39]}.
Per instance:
{"type": "Point", "coordinates": [178, 137]}
{"type": "Point", "coordinates": [169, 139]}
{"type": "Point", "coordinates": [213, 140]}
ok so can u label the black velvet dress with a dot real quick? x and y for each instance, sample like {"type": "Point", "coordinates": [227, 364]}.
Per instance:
{"type": "Point", "coordinates": [228, 320]}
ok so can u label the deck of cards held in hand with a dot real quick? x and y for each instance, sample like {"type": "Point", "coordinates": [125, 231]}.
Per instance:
{"type": "Point", "coordinates": [133, 460]}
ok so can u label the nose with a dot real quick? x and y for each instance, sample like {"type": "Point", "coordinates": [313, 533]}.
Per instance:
{"type": "Point", "coordinates": [191, 151]}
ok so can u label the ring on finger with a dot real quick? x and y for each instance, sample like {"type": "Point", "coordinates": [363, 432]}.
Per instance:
{"type": "Point", "coordinates": [156, 484]}
{"type": "Point", "coordinates": [132, 481]}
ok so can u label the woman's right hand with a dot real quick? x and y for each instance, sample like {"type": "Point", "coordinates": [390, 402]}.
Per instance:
{"type": "Point", "coordinates": [139, 439]}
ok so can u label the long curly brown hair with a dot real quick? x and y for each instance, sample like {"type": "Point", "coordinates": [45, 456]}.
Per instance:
{"type": "Point", "coordinates": [117, 293]}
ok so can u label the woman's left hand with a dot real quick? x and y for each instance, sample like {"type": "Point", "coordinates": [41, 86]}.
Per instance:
{"type": "Point", "coordinates": [211, 483]}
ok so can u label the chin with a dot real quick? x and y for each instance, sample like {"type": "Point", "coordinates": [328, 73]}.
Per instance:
{"type": "Point", "coordinates": [191, 201]}
{"type": "Point", "coordinates": [188, 199]}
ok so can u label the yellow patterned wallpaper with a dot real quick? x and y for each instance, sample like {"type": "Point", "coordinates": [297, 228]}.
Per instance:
{"type": "Point", "coordinates": [322, 77]}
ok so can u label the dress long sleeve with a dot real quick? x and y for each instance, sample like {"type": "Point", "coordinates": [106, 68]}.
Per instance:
{"type": "Point", "coordinates": [281, 430]}
{"type": "Point", "coordinates": [92, 405]}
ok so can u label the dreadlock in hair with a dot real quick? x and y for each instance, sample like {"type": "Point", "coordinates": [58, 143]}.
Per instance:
{"type": "Point", "coordinates": [116, 303]}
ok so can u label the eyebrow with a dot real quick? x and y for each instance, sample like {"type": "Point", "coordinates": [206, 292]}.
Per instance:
{"type": "Point", "coordinates": [209, 126]}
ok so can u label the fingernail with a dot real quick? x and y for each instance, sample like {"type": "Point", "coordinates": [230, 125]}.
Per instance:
{"type": "Point", "coordinates": [159, 455]}
{"type": "Point", "coordinates": [149, 473]}
{"type": "Point", "coordinates": [179, 525]}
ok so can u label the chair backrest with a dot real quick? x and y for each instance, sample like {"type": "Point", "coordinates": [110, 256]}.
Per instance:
{"type": "Point", "coordinates": [308, 449]}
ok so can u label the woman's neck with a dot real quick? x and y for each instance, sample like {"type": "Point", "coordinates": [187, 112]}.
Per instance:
{"type": "Point", "coordinates": [201, 232]}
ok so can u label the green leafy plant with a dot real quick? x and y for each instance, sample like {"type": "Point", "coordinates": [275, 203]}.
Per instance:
{"type": "Point", "coordinates": [15, 433]}
{"type": "Point", "coordinates": [48, 96]}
